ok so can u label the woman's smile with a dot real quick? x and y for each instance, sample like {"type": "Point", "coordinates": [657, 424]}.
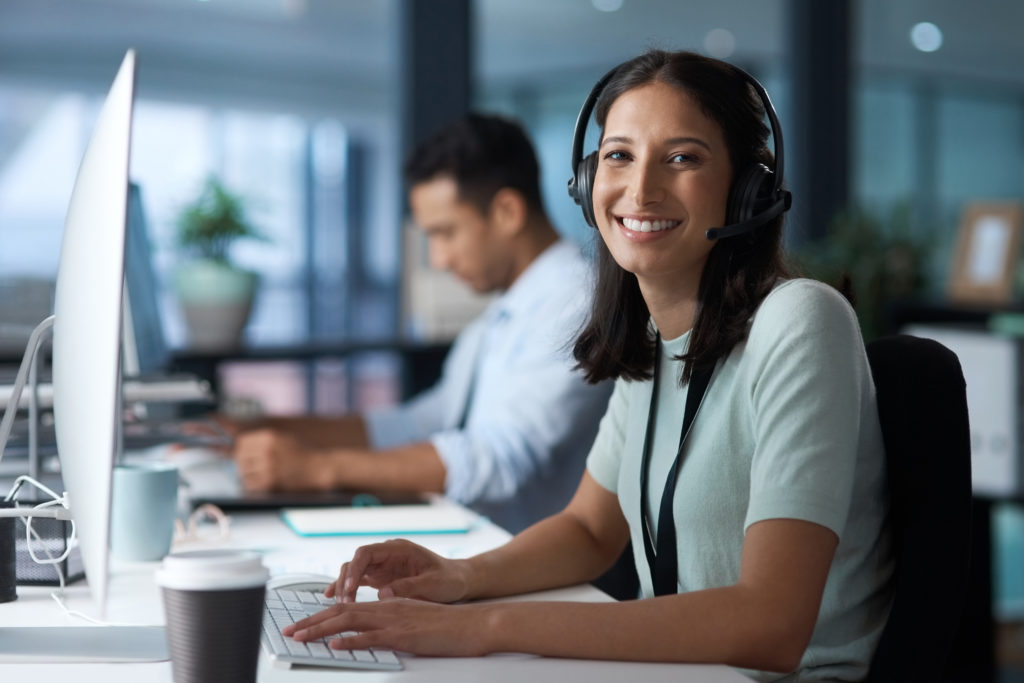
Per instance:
{"type": "Point", "coordinates": [645, 229]}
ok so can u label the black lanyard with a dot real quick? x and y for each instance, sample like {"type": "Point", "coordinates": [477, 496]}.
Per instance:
{"type": "Point", "coordinates": [663, 564]}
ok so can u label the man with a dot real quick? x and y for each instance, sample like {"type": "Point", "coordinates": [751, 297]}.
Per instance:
{"type": "Point", "coordinates": [508, 426]}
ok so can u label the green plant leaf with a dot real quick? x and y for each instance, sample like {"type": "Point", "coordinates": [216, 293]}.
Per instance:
{"type": "Point", "coordinates": [213, 222]}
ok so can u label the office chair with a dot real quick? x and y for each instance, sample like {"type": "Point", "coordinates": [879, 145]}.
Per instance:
{"type": "Point", "coordinates": [922, 406]}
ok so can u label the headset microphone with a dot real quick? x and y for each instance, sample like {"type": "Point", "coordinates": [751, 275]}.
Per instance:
{"type": "Point", "coordinates": [762, 216]}
{"type": "Point", "coordinates": [755, 196]}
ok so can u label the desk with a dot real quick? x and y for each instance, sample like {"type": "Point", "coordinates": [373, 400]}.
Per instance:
{"type": "Point", "coordinates": [134, 598]}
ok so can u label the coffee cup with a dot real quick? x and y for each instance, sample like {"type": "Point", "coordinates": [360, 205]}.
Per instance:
{"type": "Point", "coordinates": [213, 603]}
{"type": "Point", "coordinates": [144, 506]}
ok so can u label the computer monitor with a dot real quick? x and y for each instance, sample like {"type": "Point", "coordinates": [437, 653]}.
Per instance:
{"type": "Point", "coordinates": [86, 361]}
{"type": "Point", "coordinates": [145, 347]}
{"type": "Point", "coordinates": [87, 327]}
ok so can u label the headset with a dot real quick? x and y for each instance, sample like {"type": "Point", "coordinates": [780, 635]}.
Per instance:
{"type": "Point", "coordinates": [755, 197]}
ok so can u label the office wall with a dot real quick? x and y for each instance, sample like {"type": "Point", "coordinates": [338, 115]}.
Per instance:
{"type": "Point", "coordinates": [273, 92]}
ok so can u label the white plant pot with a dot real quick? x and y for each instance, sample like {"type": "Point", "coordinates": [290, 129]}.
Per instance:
{"type": "Point", "coordinates": [216, 300]}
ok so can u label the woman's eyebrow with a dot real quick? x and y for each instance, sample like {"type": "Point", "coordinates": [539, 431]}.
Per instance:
{"type": "Point", "coordinates": [626, 140]}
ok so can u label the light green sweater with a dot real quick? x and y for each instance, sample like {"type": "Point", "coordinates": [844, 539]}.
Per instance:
{"type": "Point", "coordinates": [788, 429]}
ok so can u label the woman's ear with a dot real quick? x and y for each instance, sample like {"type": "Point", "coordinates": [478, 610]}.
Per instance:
{"type": "Point", "coordinates": [508, 212]}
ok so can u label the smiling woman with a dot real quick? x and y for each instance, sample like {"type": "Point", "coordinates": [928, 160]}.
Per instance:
{"type": "Point", "coordinates": [741, 455]}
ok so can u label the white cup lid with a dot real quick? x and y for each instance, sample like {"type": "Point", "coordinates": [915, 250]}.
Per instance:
{"type": "Point", "coordinates": [217, 569]}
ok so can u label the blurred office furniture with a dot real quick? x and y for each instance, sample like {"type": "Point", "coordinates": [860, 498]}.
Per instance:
{"type": "Point", "coordinates": [419, 362]}
{"type": "Point", "coordinates": [991, 364]}
{"type": "Point", "coordinates": [922, 405]}
{"type": "Point", "coordinates": [990, 352]}
{"type": "Point", "coordinates": [24, 302]}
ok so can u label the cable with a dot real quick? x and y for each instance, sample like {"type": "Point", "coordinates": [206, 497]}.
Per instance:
{"type": "Point", "coordinates": [27, 360]}
{"type": "Point", "coordinates": [42, 510]}
{"type": "Point", "coordinates": [56, 508]}
{"type": "Point", "coordinates": [25, 479]}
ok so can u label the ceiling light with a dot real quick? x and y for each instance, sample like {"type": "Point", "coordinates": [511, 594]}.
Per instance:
{"type": "Point", "coordinates": [607, 5]}
{"type": "Point", "coordinates": [926, 36]}
{"type": "Point", "coordinates": [720, 43]}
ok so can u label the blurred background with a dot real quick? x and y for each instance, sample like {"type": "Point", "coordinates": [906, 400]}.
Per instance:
{"type": "Point", "coordinates": [902, 120]}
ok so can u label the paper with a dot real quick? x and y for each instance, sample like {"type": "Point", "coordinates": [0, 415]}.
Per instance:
{"type": "Point", "coordinates": [385, 520]}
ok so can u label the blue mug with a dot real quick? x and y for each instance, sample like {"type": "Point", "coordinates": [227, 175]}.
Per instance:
{"type": "Point", "coordinates": [143, 509]}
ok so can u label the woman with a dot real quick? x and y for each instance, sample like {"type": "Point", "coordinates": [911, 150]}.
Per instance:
{"type": "Point", "coordinates": [780, 563]}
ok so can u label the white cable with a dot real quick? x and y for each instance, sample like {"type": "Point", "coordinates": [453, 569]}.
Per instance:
{"type": "Point", "coordinates": [42, 510]}
{"type": "Point", "coordinates": [55, 562]}
{"type": "Point", "coordinates": [59, 599]}
{"type": "Point", "coordinates": [28, 538]}
{"type": "Point", "coordinates": [27, 360]}
{"type": "Point", "coordinates": [62, 513]}
{"type": "Point", "coordinates": [25, 479]}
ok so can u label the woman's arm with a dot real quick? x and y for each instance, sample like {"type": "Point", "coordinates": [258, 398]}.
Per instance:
{"type": "Point", "coordinates": [576, 545]}
{"type": "Point", "coordinates": [763, 621]}
{"type": "Point", "coordinates": [573, 546]}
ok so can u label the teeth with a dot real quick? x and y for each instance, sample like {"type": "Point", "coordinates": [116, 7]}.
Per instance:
{"type": "Point", "coordinates": [648, 226]}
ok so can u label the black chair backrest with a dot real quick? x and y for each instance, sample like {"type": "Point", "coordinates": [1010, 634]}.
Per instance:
{"type": "Point", "coordinates": [922, 406]}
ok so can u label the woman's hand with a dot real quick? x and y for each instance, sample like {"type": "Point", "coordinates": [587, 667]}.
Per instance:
{"type": "Point", "coordinates": [423, 628]}
{"type": "Point", "coordinates": [403, 569]}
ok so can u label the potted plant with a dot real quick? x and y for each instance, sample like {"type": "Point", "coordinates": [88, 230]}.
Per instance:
{"type": "Point", "coordinates": [879, 257]}
{"type": "Point", "coordinates": [215, 294]}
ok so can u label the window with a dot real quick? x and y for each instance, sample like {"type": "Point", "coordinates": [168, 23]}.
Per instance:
{"type": "Point", "coordinates": [324, 276]}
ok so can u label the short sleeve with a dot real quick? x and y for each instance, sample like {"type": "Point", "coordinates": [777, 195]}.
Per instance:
{"type": "Point", "coordinates": [605, 456]}
{"type": "Point", "coordinates": [810, 376]}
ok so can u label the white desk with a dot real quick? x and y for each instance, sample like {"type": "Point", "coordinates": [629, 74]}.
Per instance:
{"type": "Point", "coordinates": [134, 598]}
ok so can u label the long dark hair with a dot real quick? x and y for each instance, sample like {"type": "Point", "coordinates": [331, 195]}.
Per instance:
{"type": "Point", "coordinates": [739, 272]}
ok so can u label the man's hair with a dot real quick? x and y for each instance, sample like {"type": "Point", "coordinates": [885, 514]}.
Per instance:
{"type": "Point", "coordinates": [482, 154]}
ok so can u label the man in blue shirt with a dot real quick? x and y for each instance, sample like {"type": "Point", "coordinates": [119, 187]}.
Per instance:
{"type": "Point", "coordinates": [507, 428]}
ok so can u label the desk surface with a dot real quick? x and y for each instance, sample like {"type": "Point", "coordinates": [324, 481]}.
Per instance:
{"type": "Point", "coordinates": [134, 599]}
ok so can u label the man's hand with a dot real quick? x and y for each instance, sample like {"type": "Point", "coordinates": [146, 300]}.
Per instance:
{"type": "Point", "coordinates": [271, 461]}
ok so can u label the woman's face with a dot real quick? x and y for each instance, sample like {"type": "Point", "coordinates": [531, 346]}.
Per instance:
{"type": "Point", "coordinates": [662, 180]}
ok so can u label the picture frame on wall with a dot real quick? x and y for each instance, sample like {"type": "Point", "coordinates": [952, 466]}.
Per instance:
{"type": "Point", "coordinates": [987, 253]}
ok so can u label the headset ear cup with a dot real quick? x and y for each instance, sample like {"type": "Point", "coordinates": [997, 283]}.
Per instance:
{"type": "Point", "coordinates": [585, 173]}
{"type": "Point", "coordinates": [752, 186]}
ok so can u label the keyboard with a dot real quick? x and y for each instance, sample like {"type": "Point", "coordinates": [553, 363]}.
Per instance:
{"type": "Point", "coordinates": [286, 606]}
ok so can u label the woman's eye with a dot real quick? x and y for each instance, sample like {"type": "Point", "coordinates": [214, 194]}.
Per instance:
{"type": "Point", "coordinates": [616, 155]}
{"type": "Point", "coordinates": [682, 158]}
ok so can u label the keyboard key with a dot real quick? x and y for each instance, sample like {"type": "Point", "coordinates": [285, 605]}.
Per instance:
{"type": "Point", "coordinates": [343, 655]}
{"type": "Point", "coordinates": [276, 639]}
{"type": "Point", "coordinates": [283, 610]}
{"type": "Point", "coordinates": [319, 649]}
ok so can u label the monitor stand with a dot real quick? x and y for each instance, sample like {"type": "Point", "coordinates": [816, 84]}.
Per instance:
{"type": "Point", "coordinates": [65, 644]}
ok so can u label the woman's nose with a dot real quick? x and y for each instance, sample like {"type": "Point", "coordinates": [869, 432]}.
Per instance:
{"type": "Point", "coordinates": [645, 185]}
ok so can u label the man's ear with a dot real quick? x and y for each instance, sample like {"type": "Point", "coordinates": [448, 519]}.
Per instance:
{"type": "Point", "coordinates": [508, 212]}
